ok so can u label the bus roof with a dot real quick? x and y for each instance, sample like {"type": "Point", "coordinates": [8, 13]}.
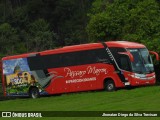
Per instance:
{"type": "Point", "coordinates": [123, 44]}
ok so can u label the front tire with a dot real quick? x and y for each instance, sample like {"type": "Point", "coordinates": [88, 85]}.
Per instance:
{"type": "Point", "coordinates": [34, 93]}
{"type": "Point", "coordinates": [109, 86]}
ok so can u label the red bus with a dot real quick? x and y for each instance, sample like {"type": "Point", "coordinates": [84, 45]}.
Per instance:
{"type": "Point", "coordinates": [94, 66]}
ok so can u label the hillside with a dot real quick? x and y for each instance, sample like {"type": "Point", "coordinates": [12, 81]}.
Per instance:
{"type": "Point", "coordinates": [138, 99]}
{"type": "Point", "coordinates": [144, 98]}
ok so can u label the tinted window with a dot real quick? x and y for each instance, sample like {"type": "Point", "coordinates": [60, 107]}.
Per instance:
{"type": "Point", "coordinates": [124, 63]}
{"type": "Point", "coordinates": [68, 59]}
{"type": "Point", "coordinates": [122, 60]}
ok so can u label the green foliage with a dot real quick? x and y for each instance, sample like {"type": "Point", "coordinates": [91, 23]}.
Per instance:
{"type": "Point", "coordinates": [20, 18]}
{"type": "Point", "coordinates": [37, 25]}
{"type": "Point", "coordinates": [130, 20]}
{"type": "Point", "coordinates": [138, 99]}
{"type": "Point", "coordinates": [8, 39]}
{"type": "Point", "coordinates": [41, 37]}
{"type": "Point", "coordinates": [153, 45]}
{"type": "Point", "coordinates": [1, 12]}
{"type": "Point", "coordinates": [71, 19]}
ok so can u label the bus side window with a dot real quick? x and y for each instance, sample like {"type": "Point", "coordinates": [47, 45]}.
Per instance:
{"type": "Point", "coordinates": [102, 56]}
{"type": "Point", "coordinates": [124, 63]}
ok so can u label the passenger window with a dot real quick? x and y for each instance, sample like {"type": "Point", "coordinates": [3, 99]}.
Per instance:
{"type": "Point", "coordinates": [124, 63]}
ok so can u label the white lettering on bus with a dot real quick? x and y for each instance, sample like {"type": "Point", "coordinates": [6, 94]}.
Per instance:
{"type": "Point", "coordinates": [81, 80]}
{"type": "Point", "coordinates": [94, 70]}
{"type": "Point", "coordinates": [73, 74]}
{"type": "Point", "coordinates": [89, 70]}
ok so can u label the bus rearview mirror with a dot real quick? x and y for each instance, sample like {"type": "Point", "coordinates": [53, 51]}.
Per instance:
{"type": "Point", "coordinates": [156, 54]}
{"type": "Point", "coordinates": [128, 54]}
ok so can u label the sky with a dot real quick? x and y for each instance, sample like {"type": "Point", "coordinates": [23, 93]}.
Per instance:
{"type": "Point", "coordinates": [9, 65]}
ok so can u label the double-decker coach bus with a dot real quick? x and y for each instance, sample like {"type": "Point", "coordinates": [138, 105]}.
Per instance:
{"type": "Point", "coordinates": [94, 66]}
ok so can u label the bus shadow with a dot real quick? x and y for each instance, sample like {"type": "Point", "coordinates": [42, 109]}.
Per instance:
{"type": "Point", "coordinates": [2, 98]}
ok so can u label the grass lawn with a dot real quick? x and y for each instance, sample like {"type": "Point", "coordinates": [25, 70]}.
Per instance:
{"type": "Point", "coordinates": [138, 99]}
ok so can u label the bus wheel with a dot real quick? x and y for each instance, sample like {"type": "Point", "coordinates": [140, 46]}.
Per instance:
{"type": "Point", "coordinates": [34, 93]}
{"type": "Point", "coordinates": [109, 85]}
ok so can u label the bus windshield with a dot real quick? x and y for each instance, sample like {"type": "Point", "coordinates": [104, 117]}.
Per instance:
{"type": "Point", "coordinates": [142, 61]}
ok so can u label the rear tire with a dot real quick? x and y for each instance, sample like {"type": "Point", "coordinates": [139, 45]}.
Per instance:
{"type": "Point", "coordinates": [34, 93]}
{"type": "Point", "coordinates": [109, 86]}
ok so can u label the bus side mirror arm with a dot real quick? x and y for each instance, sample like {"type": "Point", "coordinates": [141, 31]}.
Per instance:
{"type": "Point", "coordinates": [156, 54]}
{"type": "Point", "coordinates": [128, 54]}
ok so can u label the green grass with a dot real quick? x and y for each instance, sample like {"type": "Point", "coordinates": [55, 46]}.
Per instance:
{"type": "Point", "coordinates": [145, 98]}
{"type": "Point", "coordinates": [138, 99]}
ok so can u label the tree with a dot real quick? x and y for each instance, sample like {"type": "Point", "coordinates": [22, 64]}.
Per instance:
{"type": "Point", "coordinates": [9, 39]}
{"type": "Point", "coordinates": [20, 19]}
{"type": "Point", "coordinates": [67, 18]}
{"type": "Point", "coordinates": [40, 36]}
{"type": "Point", "coordinates": [70, 21]}
{"type": "Point", "coordinates": [131, 20]}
